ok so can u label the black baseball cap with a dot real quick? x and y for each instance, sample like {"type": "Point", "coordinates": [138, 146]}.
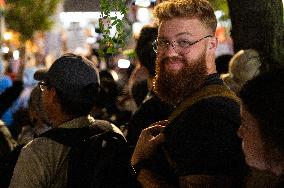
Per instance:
{"type": "Point", "coordinates": [69, 74]}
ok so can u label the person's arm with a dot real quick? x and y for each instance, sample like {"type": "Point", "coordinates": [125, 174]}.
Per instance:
{"type": "Point", "coordinates": [149, 139]}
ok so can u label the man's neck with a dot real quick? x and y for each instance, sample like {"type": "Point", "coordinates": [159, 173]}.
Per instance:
{"type": "Point", "coordinates": [60, 119]}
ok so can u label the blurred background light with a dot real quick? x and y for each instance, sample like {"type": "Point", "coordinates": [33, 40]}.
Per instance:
{"type": "Point", "coordinates": [218, 14]}
{"type": "Point", "coordinates": [143, 3]}
{"type": "Point", "coordinates": [16, 54]}
{"type": "Point", "coordinates": [123, 63]}
{"type": "Point", "coordinates": [143, 15]}
{"type": "Point", "coordinates": [5, 49]}
{"type": "Point", "coordinates": [7, 36]}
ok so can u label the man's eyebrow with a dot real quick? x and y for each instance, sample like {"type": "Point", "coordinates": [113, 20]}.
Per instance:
{"type": "Point", "coordinates": [183, 33]}
{"type": "Point", "coordinates": [177, 35]}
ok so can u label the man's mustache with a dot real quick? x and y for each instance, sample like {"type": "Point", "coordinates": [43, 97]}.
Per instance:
{"type": "Point", "coordinates": [172, 59]}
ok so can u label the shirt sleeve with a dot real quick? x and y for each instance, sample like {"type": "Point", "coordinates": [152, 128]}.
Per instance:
{"type": "Point", "coordinates": [203, 139]}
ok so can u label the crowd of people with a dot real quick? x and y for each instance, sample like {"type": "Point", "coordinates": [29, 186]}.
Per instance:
{"type": "Point", "coordinates": [196, 124]}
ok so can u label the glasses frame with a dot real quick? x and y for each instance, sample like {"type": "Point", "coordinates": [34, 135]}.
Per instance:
{"type": "Point", "coordinates": [155, 44]}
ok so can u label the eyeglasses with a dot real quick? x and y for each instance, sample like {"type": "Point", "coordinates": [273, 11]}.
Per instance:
{"type": "Point", "coordinates": [42, 85]}
{"type": "Point", "coordinates": [181, 46]}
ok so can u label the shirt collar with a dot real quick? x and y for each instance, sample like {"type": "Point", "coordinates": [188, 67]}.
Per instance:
{"type": "Point", "coordinates": [213, 79]}
{"type": "Point", "coordinates": [78, 122]}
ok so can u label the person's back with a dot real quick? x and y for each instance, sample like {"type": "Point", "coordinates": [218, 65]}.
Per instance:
{"type": "Point", "coordinates": [49, 159]}
{"type": "Point", "coordinates": [69, 90]}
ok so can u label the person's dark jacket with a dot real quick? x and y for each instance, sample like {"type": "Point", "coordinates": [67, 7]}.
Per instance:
{"type": "Point", "coordinates": [150, 111]}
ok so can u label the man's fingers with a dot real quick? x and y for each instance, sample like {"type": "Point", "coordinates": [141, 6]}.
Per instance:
{"type": "Point", "coordinates": [163, 123]}
{"type": "Point", "coordinates": [154, 130]}
{"type": "Point", "coordinates": [160, 138]}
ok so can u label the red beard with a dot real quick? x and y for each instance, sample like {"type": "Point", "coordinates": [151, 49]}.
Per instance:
{"type": "Point", "coordinates": [174, 88]}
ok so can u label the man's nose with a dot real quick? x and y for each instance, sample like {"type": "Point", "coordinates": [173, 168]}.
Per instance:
{"type": "Point", "coordinates": [170, 50]}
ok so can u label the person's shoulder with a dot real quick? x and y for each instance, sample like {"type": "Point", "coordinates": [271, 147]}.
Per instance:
{"type": "Point", "coordinates": [105, 126]}
{"type": "Point", "coordinates": [42, 145]}
{"type": "Point", "coordinates": [219, 100]}
{"type": "Point", "coordinates": [213, 108]}
{"type": "Point", "coordinates": [216, 102]}
{"type": "Point", "coordinates": [154, 104]}
{"type": "Point", "coordinates": [209, 111]}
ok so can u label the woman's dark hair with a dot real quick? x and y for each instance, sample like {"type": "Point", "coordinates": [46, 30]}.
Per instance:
{"type": "Point", "coordinates": [108, 92]}
{"type": "Point", "coordinates": [263, 97]}
{"type": "Point", "coordinates": [144, 48]}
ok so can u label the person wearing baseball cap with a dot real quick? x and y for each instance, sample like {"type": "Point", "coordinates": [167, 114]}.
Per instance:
{"type": "Point", "coordinates": [69, 90]}
{"type": "Point", "coordinates": [72, 82]}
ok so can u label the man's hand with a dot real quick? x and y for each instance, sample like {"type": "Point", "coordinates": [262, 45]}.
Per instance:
{"type": "Point", "coordinates": [149, 139]}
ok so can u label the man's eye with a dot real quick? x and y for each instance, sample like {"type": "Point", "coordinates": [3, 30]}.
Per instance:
{"type": "Point", "coordinates": [183, 43]}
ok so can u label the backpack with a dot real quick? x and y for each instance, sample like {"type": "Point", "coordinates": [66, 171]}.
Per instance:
{"type": "Point", "coordinates": [97, 158]}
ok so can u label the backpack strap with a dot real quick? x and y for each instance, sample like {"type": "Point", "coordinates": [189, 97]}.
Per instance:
{"type": "Point", "coordinates": [204, 93]}
{"type": "Point", "coordinates": [73, 136]}
{"type": "Point", "coordinates": [67, 136]}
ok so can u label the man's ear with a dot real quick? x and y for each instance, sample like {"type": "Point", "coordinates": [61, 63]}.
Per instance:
{"type": "Point", "coordinates": [213, 43]}
{"type": "Point", "coordinates": [210, 59]}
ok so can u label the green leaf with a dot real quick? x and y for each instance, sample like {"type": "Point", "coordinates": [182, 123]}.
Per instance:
{"type": "Point", "coordinates": [113, 43]}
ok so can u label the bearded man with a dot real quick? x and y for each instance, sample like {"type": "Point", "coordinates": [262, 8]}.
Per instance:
{"type": "Point", "coordinates": [201, 147]}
